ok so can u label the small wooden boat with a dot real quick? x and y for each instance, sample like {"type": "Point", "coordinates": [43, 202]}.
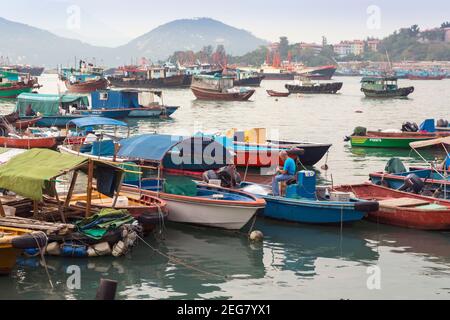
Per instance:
{"type": "Point", "coordinates": [403, 209]}
{"type": "Point", "coordinates": [211, 206]}
{"type": "Point", "coordinates": [304, 203]}
{"type": "Point", "coordinates": [12, 243]}
{"type": "Point", "coordinates": [400, 142]}
{"type": "Point", "coordinates": [27, 142]}
{"type": "Point", "coordinates": [149, 211]}
{"type": "Point", "coordinates": [219, 87]}
{"type": "Point", "coordinates": [25, 123]}
{"type": "Point", "coordinates": [273, 93]}
{"type": "Point", "coordinates": [87, 86]}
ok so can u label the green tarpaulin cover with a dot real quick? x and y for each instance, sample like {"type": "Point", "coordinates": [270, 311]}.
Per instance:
{"type": "Point", "coordinates": [29, 173]}
{"type": "Point", "coordinates": [48, 104]}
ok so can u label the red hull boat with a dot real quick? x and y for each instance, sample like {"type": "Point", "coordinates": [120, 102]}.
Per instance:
{"type": "Point", "coordinates": [87, 86]}
{"type": "Point", "coordinates": [403, 209]}
{"type": "Point", "coordinates": [204, 94]}
{"type": "Point", "coordinates": [27, 143]}
{"type": "Point", "coordinates": [278, 94]}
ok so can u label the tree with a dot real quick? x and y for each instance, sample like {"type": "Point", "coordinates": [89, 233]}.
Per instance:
{"type": "Point", "coordinates": [445, 25]}
{"type": "Point", "coordinates": [284, 48]}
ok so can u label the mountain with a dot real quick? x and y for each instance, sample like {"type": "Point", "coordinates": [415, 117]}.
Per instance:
{"type": "Point", "coordinates": [26, 44]}
{"type": "Point", "coordinates": [190, 34]}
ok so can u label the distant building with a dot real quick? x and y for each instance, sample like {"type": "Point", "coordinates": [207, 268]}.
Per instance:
{"type": "Point", "coordinates": [317, 48]}
{"type": "Point", "coordinates": [357, 47]}
{"type": "Point", "coordinates": [373, 45]}
{"type": "Point", "coordinates": [345, 48]}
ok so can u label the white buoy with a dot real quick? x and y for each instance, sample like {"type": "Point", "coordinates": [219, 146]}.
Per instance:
{"type": "Point", "coordinates": [256, 236]}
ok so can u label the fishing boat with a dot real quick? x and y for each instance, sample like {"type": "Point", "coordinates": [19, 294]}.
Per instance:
{"type": "Point", "coordinates": [58, 110]}
{"type": "Point", "coordinates": [305, 203]}
{"type": "Point", "coordinates": [88, 78]}
{"type": "Point", "coordinates": [403, 209]}
{"type": "Point", "coordinates": [384, 87]}
{"type": "Point", "coordinates": [27, 142]}
{"type": "Point", "coordinates": [427, 75]}
{"type": "Point", "coordinates": [25, 123]}
{"type": "Point", "coordinates": [400, 139]}
{"type": "Point", "coordinates": [205, 205]}
{"type": "Point", "coordinates": [273, 93]}
{"type": "Point", "coordinates": [149, 211]}
{"type": "Point", "coordinates": [306, 86]}
{"type": "Point", "coordinates": [148, 77]}
{"type": "Point", "coordinates": [86, 86]}
{"type": "Point", "coordinates": [317, 73]}
{"type": "Point", "coordinates": [12, 243]}
{"type": "Point", "coordinates": [188, 202]}
{"type": "Point", "coordinates": [253, 149]}
{"type": "Point", "coordinates": [135, 103]}
{"type": "Point", "coordinates": [219, 87]}
{"type": "Point", "coordinates": [245, 78]}
{"type": "Point", "coordinates": [13, 84]}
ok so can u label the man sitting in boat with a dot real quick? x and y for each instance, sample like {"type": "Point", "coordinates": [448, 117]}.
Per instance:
{"type": "Point", "coordinates": [30, 112]}
{"type": "Point", "coordinates": [285, 174]}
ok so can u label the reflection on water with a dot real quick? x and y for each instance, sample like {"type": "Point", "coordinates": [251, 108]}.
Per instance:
{"type": "Point", "coordinates": [295, 261]}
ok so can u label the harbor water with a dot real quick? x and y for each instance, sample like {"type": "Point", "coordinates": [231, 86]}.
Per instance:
{"type": "Point", "coordinates": [361, 261]}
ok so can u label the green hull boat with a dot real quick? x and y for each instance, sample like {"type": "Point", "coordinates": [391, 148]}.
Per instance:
{"type": "Point", "coordinates": [384, 87]}
{"type": "Point", "coordinates": [13, 92]}
{"type": "Point", "coordinates": [385, 142]}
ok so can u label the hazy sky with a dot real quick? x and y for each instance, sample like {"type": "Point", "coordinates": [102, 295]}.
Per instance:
{"type": "Point", "coordinates": [114, 22]}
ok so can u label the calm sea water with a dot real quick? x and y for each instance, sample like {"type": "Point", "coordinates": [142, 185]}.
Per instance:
{"type": "Point", "coordinates": [294, 261]}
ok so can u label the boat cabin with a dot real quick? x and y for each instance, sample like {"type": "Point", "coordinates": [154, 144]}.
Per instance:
{"type": "Point", "coordinates": [50, 104]}
{"type": "Point", "coordinates": [124, 99]}
{"type": "Point", "coordinates": [380, 83]}
{"type": "Point", "coordinates": [217, 82]}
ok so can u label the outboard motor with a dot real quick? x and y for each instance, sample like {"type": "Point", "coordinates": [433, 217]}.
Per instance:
{"type": "Point", "coordinates": [410, 127]}
{"type": "Point", "coordinates": [413, 184]}
{"type": "Point", "coordinates": [441, 123]}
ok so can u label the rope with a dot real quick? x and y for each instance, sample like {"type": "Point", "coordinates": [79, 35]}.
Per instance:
{"type": "Point", "coordinates": [42, 253]}
{"type": "Point", "coordinates": [180, 262]}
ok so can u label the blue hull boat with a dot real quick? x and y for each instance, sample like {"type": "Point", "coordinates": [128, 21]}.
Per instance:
{"type": "Point", "coordinates": [313, 211]}
{"type": "Point", "coordinates": [304, 203]}
{"type": "Point", "coordinates": [112, 113]}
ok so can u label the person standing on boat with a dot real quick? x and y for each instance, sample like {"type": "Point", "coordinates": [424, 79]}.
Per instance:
{"type": "Point", "coordinates": [285, 174]}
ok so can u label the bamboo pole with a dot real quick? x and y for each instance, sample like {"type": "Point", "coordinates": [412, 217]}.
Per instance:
{"type": "Point", "coordinates": [60, 209]}
{"type": "Point", "coordinates": [71, 189]}
{"type": "Point", "coordinates": [89, 187]}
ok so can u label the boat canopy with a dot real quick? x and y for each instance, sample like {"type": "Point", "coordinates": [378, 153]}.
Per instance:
{"type": "Point", "coordinates": [154, 147]}
{"type": "Point", "coordinates": [96, 121]}
{"type": "Point", "coordinates": [32, 173]}
{"type": "Point", "coordinates": [428, 126]}
{"type": "Point", "coordinates": [48, 104]}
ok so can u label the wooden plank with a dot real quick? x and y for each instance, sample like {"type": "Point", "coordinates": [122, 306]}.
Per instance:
{"type": "Point", "coordinates": [71, 189]}
{"type": "Point", "coordinates": [403, 202]}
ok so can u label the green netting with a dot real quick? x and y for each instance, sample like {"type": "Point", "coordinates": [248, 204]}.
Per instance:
{"type": "Point", "coordinates": [181, 186]}
{"type": "Point", "coordinates": [132, 171]}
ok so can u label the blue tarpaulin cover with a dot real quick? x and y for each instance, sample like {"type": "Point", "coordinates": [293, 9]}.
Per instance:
{"type": "Point", "coordinates": [97, 121]}
{"type": "Point", "coordinates": [154, 147]}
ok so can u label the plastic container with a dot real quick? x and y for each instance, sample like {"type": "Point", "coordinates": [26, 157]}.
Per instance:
{"type": "Point", "coordinates": [340, 196]}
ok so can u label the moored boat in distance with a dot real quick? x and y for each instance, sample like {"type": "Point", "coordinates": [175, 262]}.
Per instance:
{"type": "Point", "coordinates": [384, 87]}
{"type": "Point", "coordinates": [219, 87]}
{"type": "Point", "coordinates": [273, 93]}
{"type": "Point", "coordinates": [306, 86]}
{"type": "Point", "coordinates": [88, 78]}
{"type": "Point", "coordinates": [13, 84]}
